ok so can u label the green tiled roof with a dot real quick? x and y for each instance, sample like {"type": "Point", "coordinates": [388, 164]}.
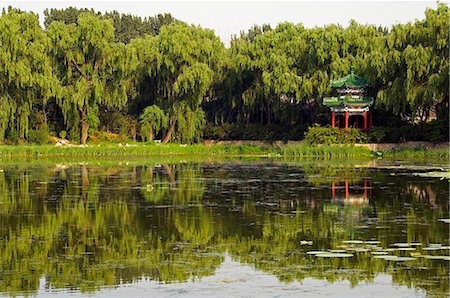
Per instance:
{"type": "Point", "coordinates": [350, 80]}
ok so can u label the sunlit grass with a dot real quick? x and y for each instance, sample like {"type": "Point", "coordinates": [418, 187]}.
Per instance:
{"type": "Point", "coordinates": [146, 149]}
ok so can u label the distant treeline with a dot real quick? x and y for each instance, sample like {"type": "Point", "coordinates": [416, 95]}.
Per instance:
{"type": "Point", "coordinates": [92, 75]}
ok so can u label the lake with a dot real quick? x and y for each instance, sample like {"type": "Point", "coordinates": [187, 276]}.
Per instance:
{"type": "Point", "coordinates": [223, 228]}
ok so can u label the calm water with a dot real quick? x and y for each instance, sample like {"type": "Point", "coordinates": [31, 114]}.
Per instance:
{"type": "Point", "coordinates": [222, 228]}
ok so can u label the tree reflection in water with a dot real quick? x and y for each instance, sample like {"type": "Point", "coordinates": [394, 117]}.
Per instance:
{"type": "Point", "coordinates": [83, 226]}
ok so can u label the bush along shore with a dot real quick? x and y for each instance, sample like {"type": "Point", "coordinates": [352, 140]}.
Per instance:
{"type": "Point", "coordinates": [156, 149]}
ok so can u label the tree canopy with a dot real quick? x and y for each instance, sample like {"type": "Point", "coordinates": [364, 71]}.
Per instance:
{"type": "Point", "coordinates": [93, 70]}
{"type": "Point", "coordinates": [89, 72]}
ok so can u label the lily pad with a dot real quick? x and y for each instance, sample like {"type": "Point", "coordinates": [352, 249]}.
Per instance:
{"type": "Point", "coordinates": [315, 252]}
{"type": "Point", "coordinates": [435, 245]}
{"type": "Point", "coordinates": [334, 255]}
{"type": "Point", "coordinates": [394, 258]}
{"type": "Point", "coordinates": [440, 174]}
{"type": "Point", "coordinates": [436, 248]}
{"type": "Point", "coordinates": [407, 244]}
{"type": "Point", "coordinates": [402, 244]}
{"type": "Point", "coordinates": [379, 253]}
{"type": "Point", "coordinates": [372, 242]}
{"type": "Point", "coordinates": [447, 258]}
{"type": "Point", "coordinates": [306, 242]}
{"type": "Point", "coordinates": [400, 249]}
{"type": "Point", "coordinates": [353, 241]}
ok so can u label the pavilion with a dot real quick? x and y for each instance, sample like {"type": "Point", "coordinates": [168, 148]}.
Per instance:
{"type": "Point", "coordinates": [350, 100]}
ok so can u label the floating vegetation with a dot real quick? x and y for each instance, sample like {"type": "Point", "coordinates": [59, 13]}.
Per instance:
{"type": "Point", "coordinates": [436, 247]}
{"type": "Point", "coordinates": [379, 252]}
{"type": "Point", "coordinates": [353, 241]}
{"type": "Point", "coordinates": [407, 244]}
{"type": "Point", "coordinates": [372, 242]}
{"type": "Point", "coordinates": [431, 257]}
{"type": "Point", "coordinates": [400, 249]}
{"type": "Point", "coordinates": [315, 252]}
{"type": "Point", "coordinates": [306, 242]}
{"type": "Point", "coordinates": [394, 258]}
{"type": "Point", "coordinates": [437, 174]}
{"type": "Point", "coordinates": [334, 255]}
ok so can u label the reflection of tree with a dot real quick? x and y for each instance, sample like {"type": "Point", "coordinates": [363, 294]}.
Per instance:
{"type": "Point", "coordinates": [86, 226]}
{"type": "Point", "coordinates": [177, 184]}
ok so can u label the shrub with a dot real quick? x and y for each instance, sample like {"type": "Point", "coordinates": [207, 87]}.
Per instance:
{"type": "Point", "coordinates": [376, 134]}
{"type": "Point", "coordinates": [329, 135]}
{"type": "Point", "coordinates": [63, 134]}
{"type": "Point", "coordinates": [12, 136]}
{"type": "Point", "coordinates": [39, 136]}
{"type": "Point", "coordinates": [217, 132]}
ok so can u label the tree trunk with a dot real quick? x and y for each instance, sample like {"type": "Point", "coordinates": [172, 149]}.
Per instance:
{"type": "Point", "coordinates": [169, 132]}
{"type": "Point", "coordinates": [150, 134]}
{"type": "Point", "coordinates": [84, 181]}
{"type": "Point", "coordinates": [84, 128]}
{"type": "Point", "coordinates": [133, 133]}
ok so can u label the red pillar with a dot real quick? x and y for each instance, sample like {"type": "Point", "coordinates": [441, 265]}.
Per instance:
{"type": "Point", "coordinates": [332, 119]}
{"type": "Point", "coordinates": [365, 188]}
{"type": "Point", "coordinates": [346, 188]}
{"type": "Point", "coordinates": [346, 119]}
{"type": "Point", "coordinates": [365, 120]}
{"type": "Point", "coordinates": [332, 190]}
{"type": "Point", "coordinates": [370, 119]}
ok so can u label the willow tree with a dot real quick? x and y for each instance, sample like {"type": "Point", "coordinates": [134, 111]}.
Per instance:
{"type": "Point", "coordinates": [93, 69]}
{"type": "Point", "coordinates": [265, 76]}
{"type": "Point", "coordinates": [180, 64]}
{"type": "Point", "coordinates": [153, 119]}
{"type": "Point", "coordinates": [26, 75]}
{"type": "Point", "coordinates": [416, 66]}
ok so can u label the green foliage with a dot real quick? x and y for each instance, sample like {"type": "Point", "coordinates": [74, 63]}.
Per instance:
{"type": "Point", "coordinates": [127, 27]}
{"type": "Point", "coordinates": [92, 68]}
{"type": "Point", "coordinates": [152, 120]}
{"type": "Point", "coordinates": [433, 131]}
{"type": "Point", "coordinates": [273, 132]}
{"type": "Point", "coordinates": [217, 132]}
{"type": "Point", "coordinates": [329, 135]}
{"type": "Point", "coordinates": [27, 77]}
{"type": "Point", "coordinates": [181, 63]}
{"type": "Point", "coordinates": [87, 69]}
{"type": "Point", "coordinates": [92, 120]}
{"type": "Point", "coordinates": [63, 134]}
{"type": "Point", "coordinates": [376, 135]}
{"type": "Point", "coordinates": [39, 136]}
{"type": "Point", "coordinates": [422, 153]}
{"type": "Point", "coordinates": [190, 124]}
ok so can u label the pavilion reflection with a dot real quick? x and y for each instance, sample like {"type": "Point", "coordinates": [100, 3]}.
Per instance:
{"type": "Point", "coordinates": [356, 194]}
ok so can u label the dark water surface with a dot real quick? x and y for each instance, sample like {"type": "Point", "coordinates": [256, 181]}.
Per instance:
{"type": "Point", "coordinates": [223, 228]}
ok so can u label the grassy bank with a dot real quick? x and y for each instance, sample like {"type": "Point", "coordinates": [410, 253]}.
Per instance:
{"type": "Point", "coordinates": [420, 153]}
{"type": "Point", "coordinates": [298, 151]}
{"type": "Point", "coordinates": [180, 150]}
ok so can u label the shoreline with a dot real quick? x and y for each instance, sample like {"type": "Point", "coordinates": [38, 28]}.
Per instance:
{"type": "Point", "coordinates": [233, 148]}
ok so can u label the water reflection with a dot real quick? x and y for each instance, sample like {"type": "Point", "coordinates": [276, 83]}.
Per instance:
{"type": "Point", "coordinates": [84, 227]}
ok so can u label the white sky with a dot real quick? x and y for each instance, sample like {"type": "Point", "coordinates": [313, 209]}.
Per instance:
{"type": "Point", "coordinates": [231, 17]}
